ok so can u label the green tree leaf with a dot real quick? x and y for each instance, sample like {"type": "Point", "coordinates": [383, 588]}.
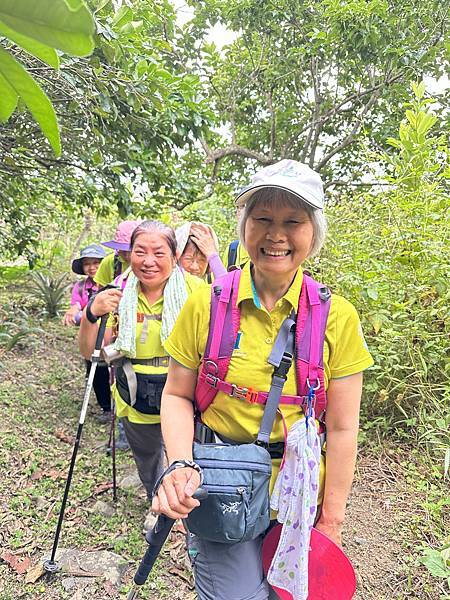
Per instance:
{"type": "Point", "coordinates": [123, 16]}
{"type": "Point", "coordinates": [8, 99]}
{"type": "Point", "coordinates": [33, 96]}
{"type": "Point", "coordinates": [435, 563]}
{"type": "Point", "coordinates": [41, 51]}
{"type": "Point", "coordinates": [68, 26]}
{"type": "Point", "coordinates": [372, 292]}
{"type": "Point", "coordinates": [101, 5]}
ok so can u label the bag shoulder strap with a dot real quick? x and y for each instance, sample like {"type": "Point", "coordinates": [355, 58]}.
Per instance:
{"type": "Point", "coordinates": [281, 358]}
{"type": "Point", "coordinates": [224, 320]}
{"type": "Point", "coordinates": [121, 280]}
{"type": "Point", "coordinates": [117, 266]}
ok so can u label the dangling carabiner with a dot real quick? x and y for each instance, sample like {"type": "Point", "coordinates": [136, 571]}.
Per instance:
{"type": "Point", "coordinates": [310, 404]}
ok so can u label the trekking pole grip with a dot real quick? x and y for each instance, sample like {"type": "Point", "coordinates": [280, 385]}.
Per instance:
{"type": "Point", "coordinates": [101, 332]}
{"type": "Point", "coordinates": [156, 538]}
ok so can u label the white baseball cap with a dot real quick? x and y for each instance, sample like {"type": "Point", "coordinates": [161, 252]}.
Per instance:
{"type": "Point", "coordinates": [291, 176]}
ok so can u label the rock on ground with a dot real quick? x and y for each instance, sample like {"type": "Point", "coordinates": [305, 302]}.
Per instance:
{"type": "Point", "coordinates": [82, 566]}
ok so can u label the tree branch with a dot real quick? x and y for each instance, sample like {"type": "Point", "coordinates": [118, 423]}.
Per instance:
{"type": "Point", "coordinates": [234, 149]}
{"type": "Point", "coordinates": [272, 124]}
{"type": "Point", "coordinates": [350, 138]}
{"type": "Point", "coordinates": [341, 183]}
{"type": "Point", "coordinates": [316, 125]}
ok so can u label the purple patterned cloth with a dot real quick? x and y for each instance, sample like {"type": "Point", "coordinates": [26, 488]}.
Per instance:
{"type": "Point", "coordinates": [295, 498]}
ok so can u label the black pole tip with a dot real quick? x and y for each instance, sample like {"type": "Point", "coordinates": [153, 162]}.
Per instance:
{"type": "Point", "coordinates": [51, 566]}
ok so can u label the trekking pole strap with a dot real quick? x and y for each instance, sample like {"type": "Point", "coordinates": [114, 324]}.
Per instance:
{"type": "Point", "coordinates": [281, 358]}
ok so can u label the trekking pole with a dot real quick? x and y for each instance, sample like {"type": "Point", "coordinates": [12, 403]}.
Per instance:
{"type": "Point", "coordinates": [51, 566]}
{"type": "Point", "coordinates": [113, 450]}
{"type": "Point", "coordinates": [155, 539]}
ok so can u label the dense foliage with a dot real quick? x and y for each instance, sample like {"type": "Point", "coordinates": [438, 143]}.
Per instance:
{"type": "Point", "coordinates": [126, 117]}
{"type": "Point", "coordinates": [317, 81]}
{"type": "Point", "coordinates": [39, 29]}
{"type": "Point", "coordinates": [388, 253]}
{"type": "Point", "coordinates": [159, 118]}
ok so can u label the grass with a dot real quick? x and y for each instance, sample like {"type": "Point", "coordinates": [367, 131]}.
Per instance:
{"type": "Point", "coordinates": [40, 394]}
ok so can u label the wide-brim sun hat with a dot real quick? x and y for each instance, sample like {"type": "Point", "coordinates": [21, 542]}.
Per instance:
{"type": "Point", "coordinates": [91, 251]}
{"type": "Point", "coordinates": [330, 573]}
{"type": "Point", "coordinates": [122, 237]}
{"type": "Point", "coordinates": [288, 175]}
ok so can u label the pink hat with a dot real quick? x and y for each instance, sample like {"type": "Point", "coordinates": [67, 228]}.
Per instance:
{"type": "Point", "coordinates": [122, 237]}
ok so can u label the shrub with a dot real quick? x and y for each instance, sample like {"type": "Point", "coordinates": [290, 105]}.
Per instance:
{"type": "Point", "coordinates": [15, 326]}
{"type": "Point", "coordinates": [388, 253]}
{"type": "Point", "coordinates": [50, 291]}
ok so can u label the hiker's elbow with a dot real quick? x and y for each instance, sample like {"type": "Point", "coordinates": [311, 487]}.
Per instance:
{"type": "Point", "coordinates": [344, 399]}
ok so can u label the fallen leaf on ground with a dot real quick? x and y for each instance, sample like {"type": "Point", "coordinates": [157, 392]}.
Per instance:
{"type": "Point", "coordinates": [102, 487]}
{"type": "Point", "coordinates": [52, 473]}
{"type": "Point", "coordinates": [179, 528]}
{"type": "Point", "coordinates": [176, 549]}
{"type": "Point", "coordinates": [34, 573]}
{"type": "Point", "coordinates": [20, 565]}
{"type": "Point", "coordinates": [110, 589]}
{"type": "Point", "coordinates": [64, 436]}
{"type": "Point", "coordinates": [181, 575]}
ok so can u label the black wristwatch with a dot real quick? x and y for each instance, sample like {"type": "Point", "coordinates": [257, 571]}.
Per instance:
{"type": "Point", "coordinates": [89, 314]}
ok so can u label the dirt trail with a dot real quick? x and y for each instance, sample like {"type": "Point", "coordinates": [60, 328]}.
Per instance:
{"type": "Point", "coordinates": [376, 538]}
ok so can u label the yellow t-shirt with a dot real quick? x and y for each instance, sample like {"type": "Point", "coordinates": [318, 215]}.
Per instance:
{"type": "Point", "coordinates": [345, 353]}
{"type": "Point", "coordinates": [148, 345]}
{"type": "Point", "coordinates": [242, 256]}
{"type": "Point", "coordinates": [105, 272]}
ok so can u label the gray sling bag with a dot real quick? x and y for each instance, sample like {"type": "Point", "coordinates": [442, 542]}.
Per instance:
{"type": "Point", "coordinates": [237, 476]}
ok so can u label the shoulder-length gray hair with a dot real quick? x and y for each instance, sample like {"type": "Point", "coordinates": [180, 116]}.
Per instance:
{"type": "Point", "coordinates": [271, 196]}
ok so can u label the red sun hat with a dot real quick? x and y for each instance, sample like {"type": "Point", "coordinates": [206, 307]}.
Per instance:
{"type": "Point", "coordinates": [330, 572]}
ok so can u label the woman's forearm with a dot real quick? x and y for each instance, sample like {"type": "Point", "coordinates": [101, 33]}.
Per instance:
{"type": "Point", "coordinates": [340, 468]}
{"type": "Point", "coordinates": [177, 424]}
{"type": "Point", "coordinates": [87, 336]}
{"type": "Point", "coordinates": [216, 265]}
{"type": "Point", "coordinates": [342, 423]}
{"type": "Point", "coordinates": [104, 303]}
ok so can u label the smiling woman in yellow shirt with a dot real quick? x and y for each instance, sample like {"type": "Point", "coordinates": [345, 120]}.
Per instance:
{"type": "Point", "coordinates": [282, 224]}
{"type": "Point", "coordinates": [154, 292]}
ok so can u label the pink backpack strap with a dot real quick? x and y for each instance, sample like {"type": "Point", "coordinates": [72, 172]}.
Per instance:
{"type": "Point", "coordinates": [223, 329]}
{"type": "Point", "coordinates": [220, 309]}
{"type": "Point", "coordinates": [314, 306]}
{"type": "Point", "coordinates": [121, 280]}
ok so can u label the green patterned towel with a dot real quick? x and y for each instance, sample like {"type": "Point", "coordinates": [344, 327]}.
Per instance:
{"type": "Point", "coordinates": [175, 295]}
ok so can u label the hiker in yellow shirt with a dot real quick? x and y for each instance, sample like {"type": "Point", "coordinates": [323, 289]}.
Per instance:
{"type": "Point", "coordinates": [153, 293]}
{"type": "Point", "coordinates": [235, 254]}
{"type": "Point", "coordinates": [282, 224]}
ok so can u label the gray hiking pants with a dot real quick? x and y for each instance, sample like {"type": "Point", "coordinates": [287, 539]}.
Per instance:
{"type": "Point", "coordinates": [229, 571]}
{"type": "Point", "coordinates": [147, 447]}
